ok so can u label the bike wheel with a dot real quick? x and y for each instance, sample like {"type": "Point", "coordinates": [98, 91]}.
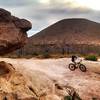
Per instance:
{"type": "Point", "coordinates": [82, 68]}
{"type": "Point", "coordinates": [71, 67]}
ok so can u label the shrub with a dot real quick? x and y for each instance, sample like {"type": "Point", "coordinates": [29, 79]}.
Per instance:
{"type": "Point", "coordinates": [67, 98]}
{"type": "Point", "coordinates": [46, 55]}
{"type": "Point", "coordinates": [74, 97]}
{"type": "Point", "coordinates": [71, 98]}
{"type": "Point", "coordinates": [91, 58]}
{"type": "Point", "coordinates": [35, 54]}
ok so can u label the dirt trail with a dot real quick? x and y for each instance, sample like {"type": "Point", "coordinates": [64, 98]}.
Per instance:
{"type": "Point", "coordinates": [86, 84]}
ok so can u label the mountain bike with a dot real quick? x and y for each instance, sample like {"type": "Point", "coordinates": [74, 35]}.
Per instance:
{"type": "Point", "coordinates": [73, 66]}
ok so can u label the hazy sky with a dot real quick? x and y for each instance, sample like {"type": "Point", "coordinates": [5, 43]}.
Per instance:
{"type": "Point", "coordinates": [43, 13]}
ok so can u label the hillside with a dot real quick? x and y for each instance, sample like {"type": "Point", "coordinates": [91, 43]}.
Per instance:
{"type": "Point", "coordinates": [70, 31]}
{"type": "Point", "coordinates": [75, 35]}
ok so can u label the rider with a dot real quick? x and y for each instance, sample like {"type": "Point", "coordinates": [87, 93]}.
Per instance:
{"type": "Point", "coordinates": [75, 59]}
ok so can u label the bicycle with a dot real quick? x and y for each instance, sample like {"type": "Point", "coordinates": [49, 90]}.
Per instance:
{"type": "Point", "coordinates": [73, 66]}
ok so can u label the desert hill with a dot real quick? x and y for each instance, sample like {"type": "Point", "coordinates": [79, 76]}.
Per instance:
{"type": "Point", "coordinates": [70, 31]}
{"type": "Point", "coordinates": [75, 35]}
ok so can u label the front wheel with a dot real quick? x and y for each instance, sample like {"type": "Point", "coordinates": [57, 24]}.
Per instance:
{"type": "Point", "coordinates": [71, 67]}
{"type": "Point", "coordinates": [82, 68]}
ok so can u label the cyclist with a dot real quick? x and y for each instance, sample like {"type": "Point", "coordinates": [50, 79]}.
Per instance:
{"type": "Point", "coordinates": [75, 59]}
{"type": "Point", "coordinates": [77, 64]}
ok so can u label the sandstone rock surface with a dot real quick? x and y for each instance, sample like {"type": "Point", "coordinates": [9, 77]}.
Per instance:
{"type": "Point", "coordinates": [12, 32]}
{"type": "Point", "coordinates": [15, 86]}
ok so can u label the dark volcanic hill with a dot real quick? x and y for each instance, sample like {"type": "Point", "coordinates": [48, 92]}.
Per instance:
{"type": "Point", "coordinates": [70, 31]}
{"type": "Point", "coordinates": [66, 36]}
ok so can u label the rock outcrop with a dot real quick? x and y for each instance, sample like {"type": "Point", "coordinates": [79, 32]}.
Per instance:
{"type": "Point", "coordinates": [12, 32]}
{"type": "Point", "coordinates": [15, 86]}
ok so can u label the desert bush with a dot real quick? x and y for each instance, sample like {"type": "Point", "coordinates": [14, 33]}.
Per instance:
{"type": "Point", "coordinates": [67, 98]}
{"type": "Point", "coordinates": [35, 54]}
{"type": "Point", "coordinates": [46, 54]}
{"type": "Point", "coordinates": [71, 98]}
{"type": "Point", "coordinates": [91, 58]}
{"type": "Point", "coordinates": [75, 96]}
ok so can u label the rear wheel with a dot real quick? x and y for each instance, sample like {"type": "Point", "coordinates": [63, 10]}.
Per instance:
{"type": "Point", "coordinates": [82, 68]}
{"type": "Point", "coordinates": [72, 67]}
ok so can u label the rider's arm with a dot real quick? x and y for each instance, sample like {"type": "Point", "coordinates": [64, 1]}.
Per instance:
{"type": "Point", "coordinates": [77, 60]}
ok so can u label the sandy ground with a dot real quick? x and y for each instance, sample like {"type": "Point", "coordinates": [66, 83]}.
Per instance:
{"type": "Point", "coordinates": [87, 84]}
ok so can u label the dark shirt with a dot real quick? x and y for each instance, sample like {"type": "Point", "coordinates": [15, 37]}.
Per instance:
{"type": "Point", "coordinates": [73, 58]}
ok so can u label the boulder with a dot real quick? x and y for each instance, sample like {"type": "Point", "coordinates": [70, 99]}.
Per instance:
{"type": "Point", "coordinates": [12, 32]}
{"type": "Point", "coordinates": [13, 85]}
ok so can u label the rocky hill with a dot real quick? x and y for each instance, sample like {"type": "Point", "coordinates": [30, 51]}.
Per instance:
{"type": "Point", "coordinates": [66, 36]}
{"type": "Point", "coordinates": [69, 31]}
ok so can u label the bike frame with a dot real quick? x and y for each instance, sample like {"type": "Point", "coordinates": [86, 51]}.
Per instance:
{"type": "Point", "coordinates": [78, 64]}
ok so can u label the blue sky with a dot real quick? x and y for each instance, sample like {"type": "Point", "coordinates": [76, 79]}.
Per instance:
{"type": "Point", "coordinates": [43, 13]}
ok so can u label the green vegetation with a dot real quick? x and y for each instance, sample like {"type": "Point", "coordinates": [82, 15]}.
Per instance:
{"type": "Point", "coordinates": [75, 96]}
{"type": "Point", "coordinates": [46, 55]}
{"type": "Point", "coordinates": [68, 98]}
{"type": "Point", "coordinates": [72, 98]}
{"type": "Point", "coordinates": [91, 58]}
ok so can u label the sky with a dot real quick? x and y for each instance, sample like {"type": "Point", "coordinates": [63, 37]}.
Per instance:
{"type": "Point", "coordinates": [42, 13]}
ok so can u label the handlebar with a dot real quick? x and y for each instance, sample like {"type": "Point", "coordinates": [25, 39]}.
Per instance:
{"type": "Point", "coordinates": [80, 61]}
